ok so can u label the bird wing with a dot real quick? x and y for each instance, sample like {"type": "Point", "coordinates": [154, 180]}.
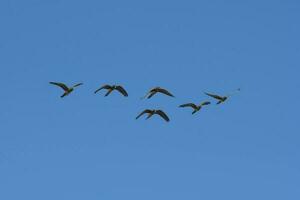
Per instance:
{"type": "Point", "coordinates": [122, 90]}
{"type": "Point", "coordinates": [78, 84]}
{"type": "Point", "coordinates": [205, 103]}
{"type": "Point", "coordinates": [194, 112]}
{"type": "Point", "coordinates": [219, 102]}
{"type": "Point", "coordinates": [61, 85]}
{"type": "Point", "coordinates": [164, 91]}
{"type": "Point", "coordinates": [163, 115]}
{"type": "Point", "coordinates": [214, 96]}
{"type": "Point", "coordinates": [108, 92]}
{"type": "Point", "coordinates": [145, 96]}
{"type": "Point", "coordinates": [103, 87]}
{"type": "Point", "coordinates": [188, 105]}
{"type": "Point", "coordinates": [145, 111]}
{"type": "Point", "coordinates": [151, 94]}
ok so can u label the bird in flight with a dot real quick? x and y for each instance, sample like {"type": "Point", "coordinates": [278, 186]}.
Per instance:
{"type": "Point", "coordinates": [155, 90]}
{"type": "Point", "coordinates": [152, 112]}
{"type": "Point", "coordinates": [194, 106]}
{"type": "Point", "coordinates": [67, 89]}
{"type": "Point", "coordinates": [220, 99]}
{"type": "Point", "coordinates": [111, 88]}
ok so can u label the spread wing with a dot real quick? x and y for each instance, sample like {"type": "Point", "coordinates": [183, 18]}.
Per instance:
{"type": "Point", "coordinates": [205, 103]}
{"type": "Point", "coordinates": [61, 85]}
{"type": "Point", "coordinates": [108, 92]}
{"type": "Point", "coordinates": [194, 112]}
{"type": "Point", "coordinates": [103, 87]}
{"type": "Point", "coordinates": [164, 91]}
{"type": "Point", "coordinates": [151, 94]}
{"type": "Point", "coordinates": [78, 84]}
{"type": "Point", "coordinates": [145, 111]}
{"type": "Point", "coordinates": [163, 115]}
{"type": "Point", "coordinates": [188, 105]}
{"type": "Point", "coordinates": [122, 90]}
{"type": "Point", "coordinates": [214, 96]}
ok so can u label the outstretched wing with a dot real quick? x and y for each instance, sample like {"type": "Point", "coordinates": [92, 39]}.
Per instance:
{"type": "Point", "coordinates": [145, 96]}
{"type": "Point", "coordinates": [164, 91]}
{"type": "Point", "coordinates": [163, 115]}
{"type": "Point", "coordinates": [61, 85]}
{"type": "Point", "coordinates": [214, 96]}
{"type": "Point", "coordinates": [78, 84]}
{"type": "Point", "coordinates": [151, 94]}
{"type": "Point", "coordinates": [145, 111]}
{"type": "Point", "coordinates": [194, 111]}
{"type": "Point", "coordinates": [108, 92]}
{"type": "Point", "coordinates": [188, 105]}
{"type": "Point", "coordinates": [103, 87]}
{"type": "Point", "coordinates": [122, 90]}
{"type": "Point", "coordinates": [205, 103]}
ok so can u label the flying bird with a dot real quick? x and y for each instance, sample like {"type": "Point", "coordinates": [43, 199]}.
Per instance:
{"type": "Point", "coordinates": [111, 88]}
{"type": "Point", "coordinates": [67, 89]}
{"type": "Point", "coordinates": [221, 99]}
{"type": "Point", "coordinates": [153, 112]}
{"type": "Point", "coordinates": [194, 106]}
{"type": "Point", "coordinates": [155, 90]}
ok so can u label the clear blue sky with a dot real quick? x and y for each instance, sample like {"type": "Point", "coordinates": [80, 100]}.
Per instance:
{"type": "Point", "coordinates": [86, 146]}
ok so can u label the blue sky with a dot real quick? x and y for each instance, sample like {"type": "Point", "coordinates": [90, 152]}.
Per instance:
{"type": "Point", "coordinates": [86, 146]}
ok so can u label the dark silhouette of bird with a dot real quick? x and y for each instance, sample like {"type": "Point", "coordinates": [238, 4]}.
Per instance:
{"type": "Point", "coordinates": [111, 88]}
{"type": "Point", "coordinates": [221, 99]}
{"type": "Point", "coordinates": [194, 106]}
{"type": "Point", "coordinates": [67, 89]}
{"type": "Point", "coordinates": [153, 112]}
{"type": "Point", "coordinates": [155, 90]}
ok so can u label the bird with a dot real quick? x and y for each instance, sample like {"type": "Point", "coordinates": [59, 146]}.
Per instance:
{"type": "Point", "coordinates": [153, 112]}
{"type": "Point", "coordinates": [221, 99]}
{"type": "Point", "coordinates": [194, 106]}
{"type": "Point", "coordinates": [111, 88]}
{"type": "Point", "coordinates": [155, 90]}
{"type": "Point", "coordinates": [67, 89]}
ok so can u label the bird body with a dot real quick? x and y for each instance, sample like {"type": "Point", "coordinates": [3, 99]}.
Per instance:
{"type": "Point", "coordinates": [155, 90]}
{"type": "Point", "coordinates": [111, 88]}
{"type": "Point", "coordinates": [67, 90]}
{"type": "Point", "coordinates": [220, 99]}
{"type": "Point", "coordinates": [194, 106]}
{"type": "Point", "coordinates": [153, 112]}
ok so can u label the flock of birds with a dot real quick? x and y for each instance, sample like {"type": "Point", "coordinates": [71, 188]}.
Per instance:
{"type": "Point", "coordinates": [150, 93]}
